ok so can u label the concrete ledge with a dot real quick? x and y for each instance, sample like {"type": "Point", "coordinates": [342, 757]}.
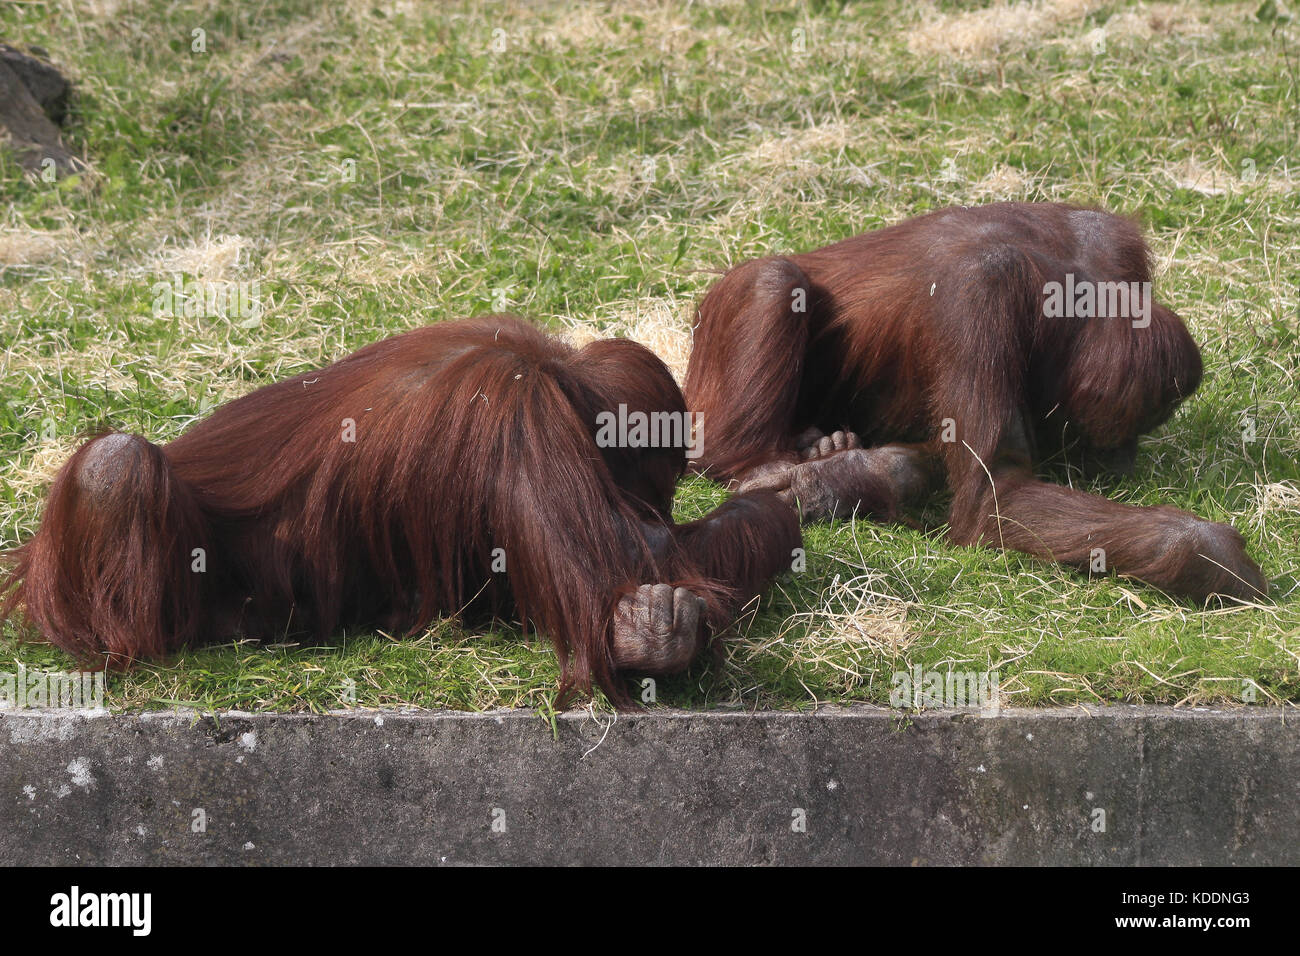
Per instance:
{"type": "Point", "coordinates": [1176, 787]}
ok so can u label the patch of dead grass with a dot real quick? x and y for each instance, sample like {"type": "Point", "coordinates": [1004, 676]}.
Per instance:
{"type": "Point", "coordinates": [210, 258]}
{"type": "Point", "coordinates": [663, 325]}
{"type": "Point", "coordinates": [1004, 26]}
{"type": "Point", "coordinates": [973, 34]}
{"type": "Point", "coordinates": [31, 247]}
{"type": "Point", "coordinates": [1003, 183]}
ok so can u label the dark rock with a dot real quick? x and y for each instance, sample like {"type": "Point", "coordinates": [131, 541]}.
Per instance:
{"type": "Point", "coordinates": [33, 101]}
{"type": "Point", "coordinates": [1113, 785]}
{"type": "Point", "coordinates": [48, 87]}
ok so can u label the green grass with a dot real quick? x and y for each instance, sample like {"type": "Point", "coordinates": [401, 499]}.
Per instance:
{"type": "Point", "coordinates": [592, 175]}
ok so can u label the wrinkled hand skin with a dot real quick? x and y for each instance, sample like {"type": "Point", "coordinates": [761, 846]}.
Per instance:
{"type": "Point", "coordinates": [806, 486]}
{"type": "Point", "coordinates": [836, 478]}
{"type": "Point", "coordinates": [657, 629]}
{"type": "Point", "coordinates": [815, 443]}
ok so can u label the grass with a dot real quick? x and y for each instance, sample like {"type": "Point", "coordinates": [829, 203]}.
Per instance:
{"type": "Point", "coordinates": [378, 165]}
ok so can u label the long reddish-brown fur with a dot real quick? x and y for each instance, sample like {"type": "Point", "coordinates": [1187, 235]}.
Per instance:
{"type": "Point", "coordinates": [930, 340]}
{"type": "Point", "coordinates": [469, 436]}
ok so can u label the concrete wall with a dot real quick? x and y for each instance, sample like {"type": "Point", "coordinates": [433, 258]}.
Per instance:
{"type": "Point", "coordinates": [870, 786]}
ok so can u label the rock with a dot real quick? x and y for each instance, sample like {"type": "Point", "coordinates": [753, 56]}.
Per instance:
{"type": "Point", "coordinates": [854, 786]}
{"type": "Point", "coordinates": [33, 101]}
{"type": "Point", "coordinates": [48, 87]}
